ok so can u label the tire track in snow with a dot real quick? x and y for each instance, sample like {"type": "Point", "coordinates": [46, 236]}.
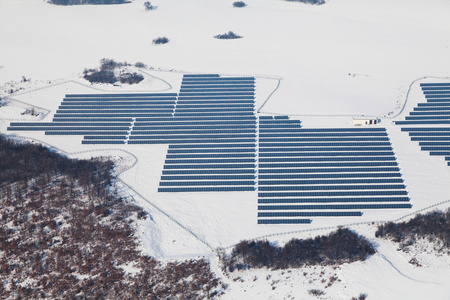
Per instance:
{"type": "Point", "coordinates": [388, 256]}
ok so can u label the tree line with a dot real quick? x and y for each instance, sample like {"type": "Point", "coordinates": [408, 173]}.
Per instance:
{"type": "Point", "coordinates": [340, 246]}
{"type": "Point", "coordinates": [433, 226]}
{"type": "Point", "coordinates": [85, 2]}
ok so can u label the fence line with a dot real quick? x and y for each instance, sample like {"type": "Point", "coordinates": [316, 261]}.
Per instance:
{"type": "Point", "coordinates": [270, 95]}
{"type": "Point", "coordinates": [345, 225]}
{"type": "Point", "coordinates": [347, 115]}
{"type": "Point", "coordinates": [409, 90]}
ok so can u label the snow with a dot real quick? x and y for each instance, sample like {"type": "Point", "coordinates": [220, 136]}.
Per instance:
{"type": "Point", "coordinates": [321, 64]}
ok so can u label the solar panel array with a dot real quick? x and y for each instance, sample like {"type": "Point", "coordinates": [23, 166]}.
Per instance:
{"type": "Point", "coordinates": [103, 118]}
{"type": "Point", "coordinates": [212, 137]}
{"type": "Point", "coordinates": [324, 172]}
{"type": "Point", "coordinates": [430, 121]}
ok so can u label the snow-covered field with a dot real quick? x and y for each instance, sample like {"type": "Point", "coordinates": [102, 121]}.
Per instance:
{"type": "Point", "coordinates": [324, 64]}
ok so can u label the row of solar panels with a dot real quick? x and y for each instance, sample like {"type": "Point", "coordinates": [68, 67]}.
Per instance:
{"type": "Point", "coordinates": [432, 104]}
{"type": "Point", "coordinates": [434, 96]}
{"type": "Point", "coordinates": [429, 116]}
{"type": "Point", "coordinates": [330, 181]}
{"type": "Point", "coordinates": [109, 100]}
{"type": "Point", "coordinates": [215, 90]}
{"type": "Point", "coordinates": [436, 91]}
{"type": "Point", "coordinates": [318, 147]}
{"type": "Point", "coordinates": [199, 93]}
{"type": "Point", "coordinates": [305, 171]}
{"type": "Point", "coordinates": [289, 160]}
{"type": "Point", "coordinates": [190, 141]}
{"type": "Point", "coordinates": [349, 187]}
{"type": "Point", "coordinates": [281, 156]}
{"type": "Point", "coordinates": [335, 131]}
{"type": "Point", "coordinates": [70, 124]}
{"type": "Point", "coordinates": [291, 177]}
{"type": "Point", "coordinates": [284, 221]}
{"type": "Point", "coordinates": [294, 140]}
{"type": "Point", "coordinates": [356, 193]}
{"type": "Point", "coordinates": [442, 100]}
{"type": "Point", "coordinates": [332, 169]}
{"type": "Point", "coordinates": [151, 113]}
{"type": "Point", "coordinates": [423, 122]}
{"type": "Point", "coordinates": [119, 106]}
{"type": "Point", "coordinates": [182, 128]}
{"type": "Point", "coordinates": [300, 134]}
{"type": "Point", "coordinates": [310, 214]}
{"type": "Point", "coordinates": [119, 95]}
{"type": "Point", "coordinates": [334, 200]}
{"type": "Point", "coordinates": [335, 206]}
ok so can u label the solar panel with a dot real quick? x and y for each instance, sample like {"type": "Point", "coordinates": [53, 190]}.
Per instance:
{"type": "Point", "coordinates": [209, 177]}
{"type": "Point", "coordinates": [209, 155]}
{"type": "Point", "coordinates": [208, 171]}
{"type": "Point", "coordinates": [281, 146]}
{"type": "Point", "coordinates": [290, 155]}
{"type": "Point", "coordinates": [328, 181]}
{"type": "Point", "coordinates": [326, 170]}
{"type": "Point", "coordinates": [313, 148]}
{"type": "Point", "coordinates": [284, 221]}
{"type": "Point", "coordinates": [210, 161]}
{"type": "Point", "coordinates": [329, 164]}
{"type": "Point", "coordinates": [210, 166]}
{"type": "Point", "coordinates": [325, 159]}
{"type": "Point", "coordinates": [189, 141]}
{"type": "Point", "coordinates": [334, 193]}
{"type": "Point", "coordinates": [207, 183]}
{"type": "Point", "coordinates": [323, 139]}
{"type": "Point", "coordinates": [206, 189]}
{"type": "Point", "coordinates": [334, 200]}
{"type": "Point", "coordinates": [332, 187]}
{"type": "Point", "coordinates": [310, 214]}
{"type": "Point", "coordinates": [336, 206]}
{"type": "Point", "coordinates": [327, 175]}
{"type": "Point", "coordinates": [101, 142]}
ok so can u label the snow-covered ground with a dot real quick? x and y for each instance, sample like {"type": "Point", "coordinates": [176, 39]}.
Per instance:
{"type": "Point", "coordinates": [324, 64]}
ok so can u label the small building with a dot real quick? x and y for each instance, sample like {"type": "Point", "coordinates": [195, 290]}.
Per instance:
{"type": "Point", "coordinates": [364, 121]}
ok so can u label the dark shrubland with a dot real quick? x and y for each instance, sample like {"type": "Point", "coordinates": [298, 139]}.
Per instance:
{"type": "Point", "coordinates": [314, 2]}
{"type": "Point", "coordinates": [239, 4]}
{"type": "Point", "coordinates": [160, 40]}
{"type": "Point", "coordinates": [230, 35]}
{"type": "Point", "coordinates": [86, 2]}
{"type": "Point", "coordinates": [24, 162]}
{"type": "Point", "coordinates": [434, 226]}
{"type": "Point", "coordinates": [148, 5]}
{"type": "Point", "coordinates": [106, 73]}
{"type": "Point", "coordinates": [341, 246]}
{"type": "Point", "coordinates": [64, 234]}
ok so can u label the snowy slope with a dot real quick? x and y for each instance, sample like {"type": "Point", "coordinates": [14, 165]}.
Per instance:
{"type": "Point", "coordinates": [331, 62]}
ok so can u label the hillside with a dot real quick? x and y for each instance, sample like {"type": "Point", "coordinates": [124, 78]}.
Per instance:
{"type": "Point", "coordinates": [63, 233]}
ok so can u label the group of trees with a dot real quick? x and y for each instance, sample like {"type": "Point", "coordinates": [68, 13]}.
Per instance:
{"type": "Point", "coordinates": [433, 226]}
{"type": "Point", "coordinates": [341, 246]}
{"type": "Point", "coordinates": [313, 2]}
{"type": "Point", "coordinates": [239, 4]}
{"type": "Point", "coordinates": [107, 73]}
{"type": "Point", "coordinates": [85, 2]}
{"type": "Point", "coordinates": [64, 233]}
{"type": "Point", "coordinates": [230, 35]}
{"type": "Point", "coordinates": [161, 40]}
